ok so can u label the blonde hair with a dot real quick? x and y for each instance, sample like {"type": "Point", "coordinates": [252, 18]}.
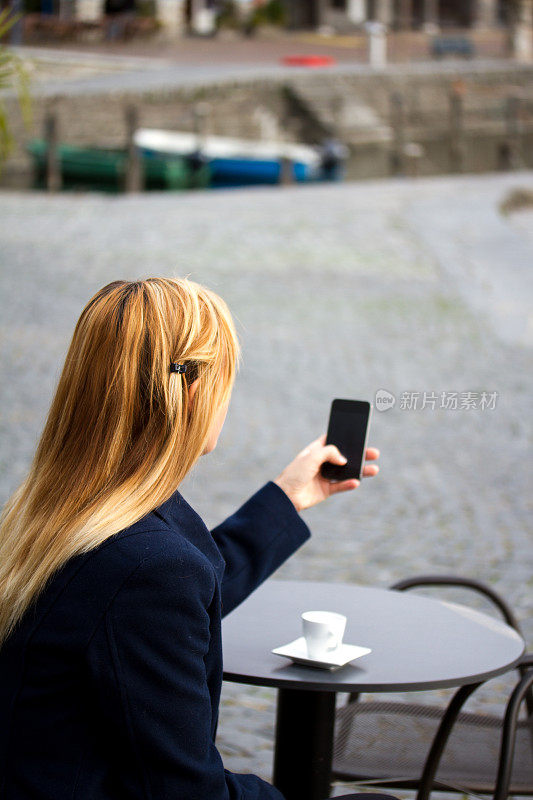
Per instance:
{"type": "Point", "coordinates": [119, 437]}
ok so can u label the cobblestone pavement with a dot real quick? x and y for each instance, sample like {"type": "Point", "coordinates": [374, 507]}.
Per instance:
{"type": "Point", "coordinates": [337, 291]}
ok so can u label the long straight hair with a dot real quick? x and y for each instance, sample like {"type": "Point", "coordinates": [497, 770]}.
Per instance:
{"type": "Point", "coordinates": [120, 436]}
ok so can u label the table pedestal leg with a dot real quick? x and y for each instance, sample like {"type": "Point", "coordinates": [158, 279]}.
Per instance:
{"type": "Point", "coordinates": [304, 744]}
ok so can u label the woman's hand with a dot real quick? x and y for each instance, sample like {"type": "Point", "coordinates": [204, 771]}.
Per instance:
{"type": "Point", "coordinates": [301, 479]}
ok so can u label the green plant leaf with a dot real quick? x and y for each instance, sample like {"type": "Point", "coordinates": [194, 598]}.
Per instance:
{"type": "Point", "coordinates": [13, 75]}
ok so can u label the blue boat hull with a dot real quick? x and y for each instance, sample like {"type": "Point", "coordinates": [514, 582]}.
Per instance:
{"type": "Point", "coordinates": [245, 172]}
{"type": "Point", "coordinates": [228, 172]}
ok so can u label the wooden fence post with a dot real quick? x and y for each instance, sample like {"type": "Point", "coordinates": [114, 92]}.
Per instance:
{"type": "Point", "coordinates": [457, 143]}
{"type": "Point", "coordinates": [134, 179]}
{"type": "Point", "coordinates": [201, 114]}
{"type": "Point", "coordinates": [286, 172]}
{"type": "Point", "coordinates": [513, 138]}
{"type": "Point", "coordinates": [398, 127]}
{"type": "Point", "coordinates": [413, 154]}
{"type": "Point", "coordinates": [53, 166]}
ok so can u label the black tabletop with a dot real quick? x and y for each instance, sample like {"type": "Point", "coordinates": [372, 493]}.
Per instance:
{"type": "Point", "coordinates": [417, 642]}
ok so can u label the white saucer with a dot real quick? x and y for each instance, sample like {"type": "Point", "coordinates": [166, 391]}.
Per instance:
{"type": "Point", "coordinates": [297, 652]}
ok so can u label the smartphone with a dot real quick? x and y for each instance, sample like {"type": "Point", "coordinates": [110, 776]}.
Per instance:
{"type": "Point", "coordinates": [349, 421]}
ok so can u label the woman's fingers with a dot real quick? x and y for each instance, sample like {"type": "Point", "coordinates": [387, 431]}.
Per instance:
{"type": "Point", "coordinates": [370, 470]}
{"type": "Point", "coordinates": [333, 454]}
{"type": "Point", "coordinates": [343, 486]}
{"type": "Point", "coordinates": [371, 453]}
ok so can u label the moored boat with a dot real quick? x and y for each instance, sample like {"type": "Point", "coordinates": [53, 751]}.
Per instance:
{"type": "Point", "coordinates": [237, 162]}
{"type": "Point", "coordinates": [105, 168]}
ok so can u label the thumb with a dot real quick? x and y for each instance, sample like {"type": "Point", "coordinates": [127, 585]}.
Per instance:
{"type": "Point", "coordinates": [332, 453]}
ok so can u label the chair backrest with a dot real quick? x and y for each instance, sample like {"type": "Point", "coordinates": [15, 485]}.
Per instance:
{"type": "Point", "coordinates": [418, 581]}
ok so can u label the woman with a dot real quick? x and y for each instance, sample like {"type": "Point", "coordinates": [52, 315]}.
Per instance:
{"type": "Point", "coordinates": [111, 586]}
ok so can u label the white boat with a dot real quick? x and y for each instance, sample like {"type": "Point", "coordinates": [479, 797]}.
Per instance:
{"type": "Point", "coordinates": [233, 161]}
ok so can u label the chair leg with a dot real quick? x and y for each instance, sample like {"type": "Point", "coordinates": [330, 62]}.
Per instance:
{"type": "Point", "coordinates": [509, 736]}
{"type": "Point", "coordinates": [441, 737]}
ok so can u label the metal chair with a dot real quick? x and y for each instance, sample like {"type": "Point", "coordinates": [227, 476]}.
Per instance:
{"type": "Point", "coordinates": [413, 746]}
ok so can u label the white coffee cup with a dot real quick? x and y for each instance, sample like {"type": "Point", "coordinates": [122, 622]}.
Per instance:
{"type": "Point", "coordinates": [323, 632]}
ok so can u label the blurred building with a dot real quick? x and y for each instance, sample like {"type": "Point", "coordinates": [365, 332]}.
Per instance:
{"type": "Point", "coordinates": [199, 16]}
{"type": "Point", "coordinates": [177, 16]}
{"type": "Point", "coordinates": [397, 14]}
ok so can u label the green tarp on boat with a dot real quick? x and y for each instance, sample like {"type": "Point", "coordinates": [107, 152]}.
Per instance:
{"type": "Point", "coordinates": [105, 168]}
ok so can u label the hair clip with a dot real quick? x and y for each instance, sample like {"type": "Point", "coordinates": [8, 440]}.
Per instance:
{"type": "Point", "coordinates": [178, 367]}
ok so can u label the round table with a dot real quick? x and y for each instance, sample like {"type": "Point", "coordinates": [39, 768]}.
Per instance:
{"type": "Point", "coordinates": [417, 643]}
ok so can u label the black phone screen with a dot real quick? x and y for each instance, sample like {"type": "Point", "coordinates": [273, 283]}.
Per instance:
{"type": "Point", "coordinates": [347, 429]}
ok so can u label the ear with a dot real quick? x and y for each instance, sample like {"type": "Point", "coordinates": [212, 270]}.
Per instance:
{"type": "Point", "coordinates": [192, 390]}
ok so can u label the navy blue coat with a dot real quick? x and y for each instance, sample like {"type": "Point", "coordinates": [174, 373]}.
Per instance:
{"type": "Point", "coordinates": [110, 686]}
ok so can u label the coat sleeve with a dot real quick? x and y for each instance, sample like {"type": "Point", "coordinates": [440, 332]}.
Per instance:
{"type": "Point", "coordinates": [255, 540]}
{"type": "Point", "coordinates": [151, 686]}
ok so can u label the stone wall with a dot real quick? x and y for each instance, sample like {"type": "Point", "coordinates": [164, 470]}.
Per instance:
{"type": "Point", "coordinates": [250, 110]}
{"type": "Point", "coordinates": [265, 109]}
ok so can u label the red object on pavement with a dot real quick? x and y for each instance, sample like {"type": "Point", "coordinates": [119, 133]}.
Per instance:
{"type": "Point", "coordinates": [308, 61]}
